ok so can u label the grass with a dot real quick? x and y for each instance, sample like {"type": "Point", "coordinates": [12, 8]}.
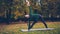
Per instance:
{"type": "Point", "coordinates": [16, 28]}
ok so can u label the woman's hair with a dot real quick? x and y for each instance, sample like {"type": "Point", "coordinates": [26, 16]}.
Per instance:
{"type": "Point", "coordinates": [25, 12]}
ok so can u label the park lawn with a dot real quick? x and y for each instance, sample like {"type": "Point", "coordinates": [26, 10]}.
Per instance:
{"type": "Point", "coordinates": [16, 28]}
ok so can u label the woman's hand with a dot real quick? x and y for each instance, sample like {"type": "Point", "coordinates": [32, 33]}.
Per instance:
{"type": "Point", "coordinates": [27, 16]}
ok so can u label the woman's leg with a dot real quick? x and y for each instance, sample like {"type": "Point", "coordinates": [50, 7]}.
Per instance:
{"type": "Point", "coordinates": [33, 23]}
{"type": "Point", "coordinates": [43, 21]}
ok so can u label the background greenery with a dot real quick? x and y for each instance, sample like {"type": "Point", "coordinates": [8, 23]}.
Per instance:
{"type": "Point", "coordinates": [16, 8]}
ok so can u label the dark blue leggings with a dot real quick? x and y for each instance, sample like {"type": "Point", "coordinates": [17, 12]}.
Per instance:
{"type": "Point", "coordinates": [35, 21]}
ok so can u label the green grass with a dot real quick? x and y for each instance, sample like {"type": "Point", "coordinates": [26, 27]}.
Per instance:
{"type": "Point", "coordinates": [16, 28]}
